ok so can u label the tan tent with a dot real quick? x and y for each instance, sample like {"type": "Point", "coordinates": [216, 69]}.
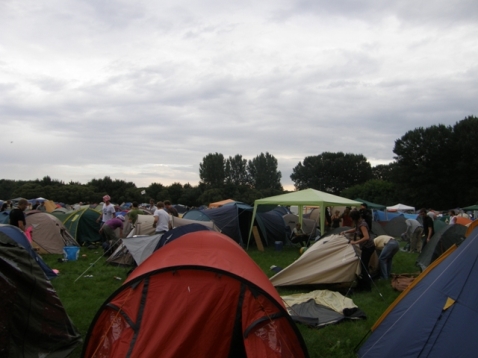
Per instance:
{"type": "Point", "coordinates": [49, 235]}
{"type": "Point", "coordinates": [50, 206]}
{"type": "Point", "coordinates": [330, 260]}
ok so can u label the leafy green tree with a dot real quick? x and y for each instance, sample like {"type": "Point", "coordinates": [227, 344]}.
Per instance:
{"type": "Point", "coordinates": [464, 177]}
{"type": "Point", "coordinates": [7, 188]}
{"type": "Point", "coordinates": [331, 172]}
{"type": "Point", "coordinates": [153, 192]}
{"type": "Point", "coordinates": [211, 196]}
{"type": "Point", "coordinates": [236, 171]}
{"type": "Point", "coordinates": [384, 172]}
{"type": "Point", "coordinates": [175, 191]}
{"type": "Point", "coordinates": [375, 190]}
{"type": "Point", "coordinates": [263, 173]}
{"type": "Point", "coordinates": [211, 170]}
{"type": "Point", "coordinates": [424, 179]}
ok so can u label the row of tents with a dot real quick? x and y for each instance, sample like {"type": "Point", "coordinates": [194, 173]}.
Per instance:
{"type": "Point", "coordinates": [207, 270]}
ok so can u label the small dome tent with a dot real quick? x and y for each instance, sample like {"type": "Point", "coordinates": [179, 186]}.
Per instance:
{"type": "Point", "coordinates": [200, 295]}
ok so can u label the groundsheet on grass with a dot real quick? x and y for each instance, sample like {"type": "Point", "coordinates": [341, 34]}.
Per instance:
{"type": "Point", "coordinates": [321, 307]}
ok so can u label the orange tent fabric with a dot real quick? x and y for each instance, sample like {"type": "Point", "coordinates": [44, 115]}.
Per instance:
{"type": "Point", "coordinates": [218, 204]}
{"type": "Point", "coordinates": [199, 296]}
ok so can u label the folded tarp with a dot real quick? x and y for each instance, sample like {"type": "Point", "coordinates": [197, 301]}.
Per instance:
{"type": "Point", "coordinates": [321, 307]}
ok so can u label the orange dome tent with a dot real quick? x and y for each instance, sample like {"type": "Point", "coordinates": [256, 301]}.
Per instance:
{"type": "Point", "coordinates": [199, 296]}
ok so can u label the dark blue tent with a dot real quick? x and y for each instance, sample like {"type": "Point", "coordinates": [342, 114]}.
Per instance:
{"type": "Point", "coordinates": [234, 220]}
{"type": "Point", "coordinates": [19, 237]}
{"type": "Point", "coordinates": [179, 231]}
{"type": "Point", "coordinates": [437, 315]}
{"type": "Point", "coordinates": [5, 217]}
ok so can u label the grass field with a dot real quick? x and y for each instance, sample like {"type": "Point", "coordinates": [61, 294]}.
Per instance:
{"type": "Point", "coordinates": [83, 298]}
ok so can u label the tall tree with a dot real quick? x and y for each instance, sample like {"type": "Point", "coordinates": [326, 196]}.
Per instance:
{"type": "Point", "coordinates": [331, 172]}
{"type": "Point", "coordinates": [236, 170]}
{"type": "Point", "coordinates": [263, 172]}
{"type": "Point", "coordinates": [375, 190]}
{"type": "Point", "coordinates": [384, 172]}
{"type": "Point", "coordinates": [424, 180]}
{"type": "Point", "coordinates": [211, 170]}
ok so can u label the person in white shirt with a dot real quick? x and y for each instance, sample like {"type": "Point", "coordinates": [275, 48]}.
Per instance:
{"type": "Point", "coordinates": [151, 208]}
{"type": "Point", "coordinates": [161, 219]}
{"type": "Point", "coordinates": [108, 212]}
{"type": "Point", "coordinates": [452, 217]}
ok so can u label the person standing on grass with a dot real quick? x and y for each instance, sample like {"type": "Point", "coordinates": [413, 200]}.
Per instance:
{"type": "Point", "coordinates": [428, 229]}
{"type": "Point", "coordinates": [367, 246]}
{"type": "Point", "coordinates": [452, 217]}
{"type": "Point", "coordinates": [170, 209]}
{"type": "Point", "coordinates": [413, 235]}
{"type": "Point", "coordinates": [161, 219]}
{"type": "Point", "coordinates": [388, 247]}
{"type": "Point", "coordinates": [17, 216]}
{"type": "Point", "coordinates": [336, 219]}
{"type": "Point", "coordinates": [346, 219]}
{"type": "Point", "coordinates": [134, 212]}
{"type": "Point", "coordinates": [151, 208]}
{"type": "Point", "coordinates": [107, 232]}
{"type": "Point", "coordinates": [108, 212]}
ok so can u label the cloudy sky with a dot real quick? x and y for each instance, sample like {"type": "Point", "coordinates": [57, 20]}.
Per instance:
{"type": "Point", "coordinates": [143, 90]}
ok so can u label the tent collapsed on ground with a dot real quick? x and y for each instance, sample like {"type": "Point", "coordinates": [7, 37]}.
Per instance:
{"type": "Point", "coordinates": [200, 295]}
{"type": "Point", "coordinates": [330, 260]}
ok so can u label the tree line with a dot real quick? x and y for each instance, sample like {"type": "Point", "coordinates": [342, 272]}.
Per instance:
{"type": "Point", "coordinates": [433, 167]}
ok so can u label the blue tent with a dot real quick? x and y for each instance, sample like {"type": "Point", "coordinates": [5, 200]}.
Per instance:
{"type": "Point", "coordinates": [437, 315]}
{"type": "Point", "coordinates": [379, 215]}
{"type": "Point", "coordinates": [19, 237]}
{"type": "Point", "coordinates": [179, 231]}
{"type": "Point", "coordinates": [5, 217]}
{"type": "Point", "coordinates": [234, 220]}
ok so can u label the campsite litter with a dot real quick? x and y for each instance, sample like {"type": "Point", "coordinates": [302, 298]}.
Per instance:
{"type": "Point", "coordinates": [117, 278]}
{"type": "Point", "coordinates": [88, 276]}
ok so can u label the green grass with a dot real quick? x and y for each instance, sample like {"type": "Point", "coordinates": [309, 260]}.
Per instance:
{"type": "Point", "coordinates": [83, 298]}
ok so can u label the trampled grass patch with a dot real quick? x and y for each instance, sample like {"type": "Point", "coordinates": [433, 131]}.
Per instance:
{"type": "Point", "coordinates": [83, 298]}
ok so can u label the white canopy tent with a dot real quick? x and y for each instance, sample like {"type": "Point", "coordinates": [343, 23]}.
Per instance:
{"type": "Point", "coordinates": [400, 207]}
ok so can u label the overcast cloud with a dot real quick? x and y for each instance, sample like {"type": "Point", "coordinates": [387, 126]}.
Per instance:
{"type": "Point", "coordinates": [143, 90]}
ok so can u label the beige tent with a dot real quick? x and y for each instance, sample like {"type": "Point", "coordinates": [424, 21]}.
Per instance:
{"type": "Point", "coordinates": [143, 226]}
{"type": "Point", "coordinates": [49, 235]}
{"type": "Point", "coordinates": [330, 260]}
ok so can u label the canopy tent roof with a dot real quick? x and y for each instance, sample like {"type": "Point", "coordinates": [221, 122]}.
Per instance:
{"type": "Point", "coordinates": [306, 197]}
{"type": "Point", "coordinates": [400, 207]}
{"type": "Point", "coordinates": [371, 205]}
{"type": "Point", "coordinates": [471, 207]}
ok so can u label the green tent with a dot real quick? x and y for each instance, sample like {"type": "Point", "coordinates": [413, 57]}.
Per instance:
{"type": "Point", "coordinates": [372, 205]}
{"type": "Point", "coordinates": [472, 207]}
{"type": "Point", "coordinates": [82, 225]}
{"type": "Point", "coordinates": [306, 197]}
